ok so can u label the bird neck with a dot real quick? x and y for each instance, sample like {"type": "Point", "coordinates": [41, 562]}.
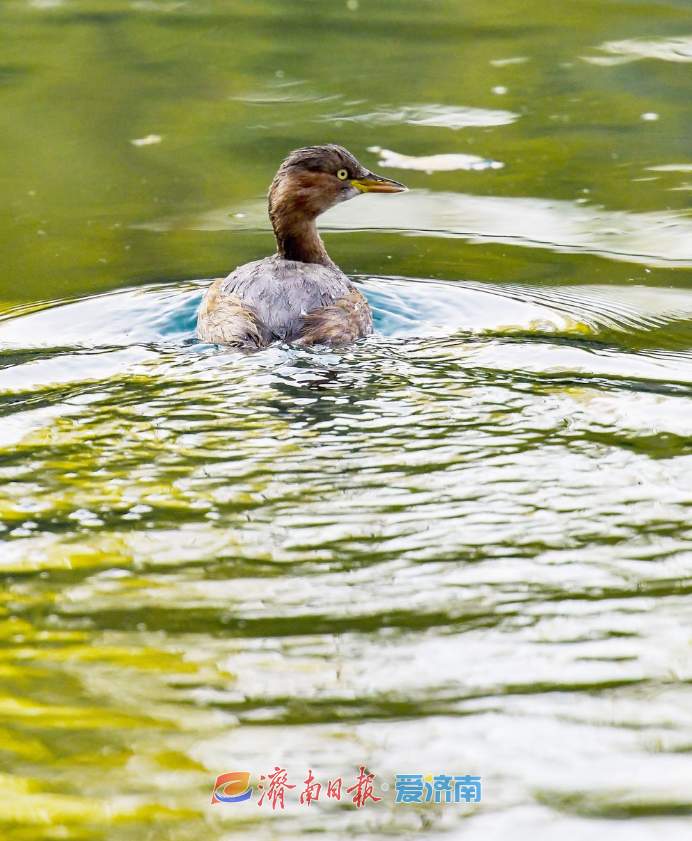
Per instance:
{"type": "Point", "coordinates": [297, 238]}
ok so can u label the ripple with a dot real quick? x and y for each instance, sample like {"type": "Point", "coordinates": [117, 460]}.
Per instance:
{"type": "Point", "coordinates": [655, 238]}
{"type": "Point", "coordinates": [463, 544]}
{"type": "Point", "coordinates": [439, 116]}
{"type": "Point", "coordinates": [506, 62]}
{"type": "Point", "coordinates": [621, 804]}
{"type": "Point", "coordinates": [433, 163]}
{"type": "Point", "coordinates": [671, 168]}
{"type": "Point", "coordinates": [677, 49]}
{"type": "Point", "coordinates": [285, 91]}
{"type": "Point", "coordinates": [129, 327]}
{"type": "Point", "coordinates": [469, 537]}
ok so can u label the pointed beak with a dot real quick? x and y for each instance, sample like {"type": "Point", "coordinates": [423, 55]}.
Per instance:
{"type": "Point", "coordinates": [371, 183]}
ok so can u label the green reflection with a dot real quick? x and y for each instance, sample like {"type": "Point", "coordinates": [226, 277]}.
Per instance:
{"type": "Point", "coordinates": [464, 544]}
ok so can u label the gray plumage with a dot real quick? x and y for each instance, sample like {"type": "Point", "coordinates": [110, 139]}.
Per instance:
{"type": "Point", "coordinates": [285, 300]}
{"type": "Point", "coordinates": [282, 292]}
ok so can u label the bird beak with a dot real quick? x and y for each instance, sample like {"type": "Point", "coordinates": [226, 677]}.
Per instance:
{"type": "Point", "coordinates": [371, 183]}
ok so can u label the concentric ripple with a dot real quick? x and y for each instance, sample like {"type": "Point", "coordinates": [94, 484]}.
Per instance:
{"type": "Point", "coordinates": [462, 545]}
{"type": "Point", "coordinates": [403, 548]}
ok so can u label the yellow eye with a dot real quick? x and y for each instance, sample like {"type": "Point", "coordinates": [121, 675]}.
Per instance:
{"type": "Point", "coordinates": [342, 174]}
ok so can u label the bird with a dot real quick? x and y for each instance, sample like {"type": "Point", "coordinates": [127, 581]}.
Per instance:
{"type": "Point", "coordinates": [298, 295]}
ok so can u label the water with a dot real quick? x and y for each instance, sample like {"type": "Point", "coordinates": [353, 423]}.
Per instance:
{"type": "Point", "coordinates": [463, 545]}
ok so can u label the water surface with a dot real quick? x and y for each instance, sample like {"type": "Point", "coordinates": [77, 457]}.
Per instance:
{"type": "Point", "coordinates": [462, 545]}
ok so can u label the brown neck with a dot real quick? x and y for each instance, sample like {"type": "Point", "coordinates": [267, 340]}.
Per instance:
{"type": "Point", "coordinates": [295, 202]}
{"type": "Point", "coordinates": [297, 239]}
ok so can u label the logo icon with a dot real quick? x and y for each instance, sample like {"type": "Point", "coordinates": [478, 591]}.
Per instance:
{"type": "Point", "coordinates": [233, 787]}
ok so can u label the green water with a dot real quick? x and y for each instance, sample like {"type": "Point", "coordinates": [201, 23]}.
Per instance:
{"type": "Point", "coordinates": [463, 545]}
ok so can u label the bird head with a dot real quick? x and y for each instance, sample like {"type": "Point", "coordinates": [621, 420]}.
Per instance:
{"type": "Point", "coordinates": [315, 178]}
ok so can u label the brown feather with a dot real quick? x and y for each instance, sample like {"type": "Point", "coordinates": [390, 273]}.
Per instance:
{"type": "Point", "coordinates": [223, 319]}
{"type": "Point", "coordinates": [341, 323]}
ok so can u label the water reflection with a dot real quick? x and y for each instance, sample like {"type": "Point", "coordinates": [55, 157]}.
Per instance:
{"type": "Point", "coordinates": [443, 116]}
{"type": "Point", "coordinates": [661, 238]}
{"type": "Point", "coordinates": [636, 49]}
{"type": "Point", "coordinates": [433, 163]}
{"type": "Point", "coordinates": [461, 544]}
{"type": "Point", "coordinates": [333, 547]}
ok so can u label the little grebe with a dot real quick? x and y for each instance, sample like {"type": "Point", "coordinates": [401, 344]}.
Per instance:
{"type": "Point", "coordinates": [297, 295]}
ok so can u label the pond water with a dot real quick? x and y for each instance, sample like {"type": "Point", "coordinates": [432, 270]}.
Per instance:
{"type": "Point", "coordinates": [463, 545]}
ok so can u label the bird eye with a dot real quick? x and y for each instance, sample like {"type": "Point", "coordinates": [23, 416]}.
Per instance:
{"type": "Point", "coordinates": [342, 174]}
